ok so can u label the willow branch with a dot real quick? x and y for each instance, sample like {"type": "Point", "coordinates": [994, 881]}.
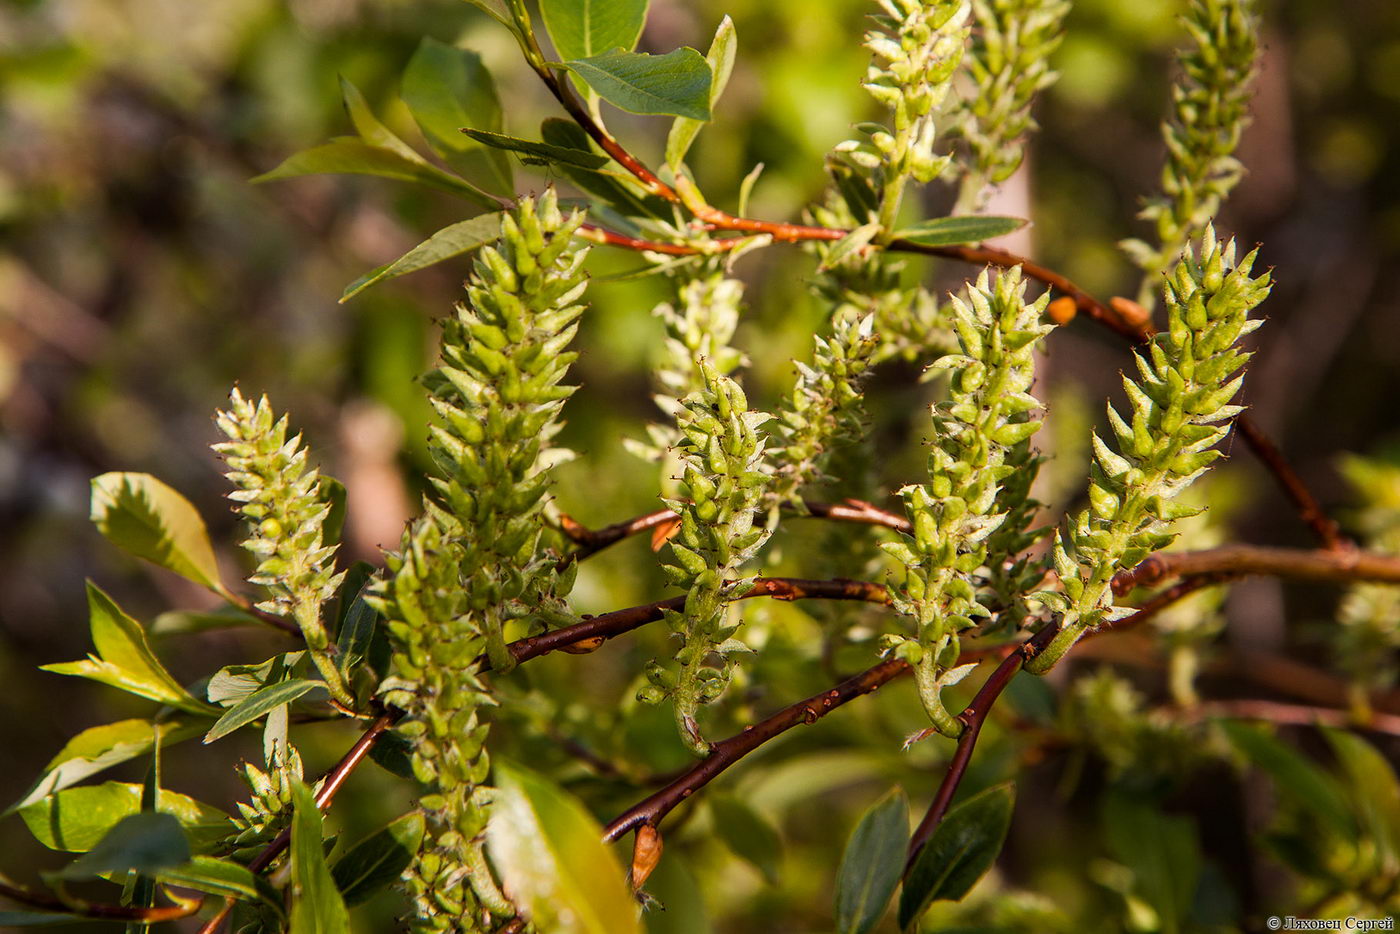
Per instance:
{"type": "Point", "coordinates": [1329, 566]}
{"type": "Point", "coordinates": [80, 909]}
{"type": "Point", "coordinates": [1292, 715]}
{"type": "Point", "coordinates": [592, 541]}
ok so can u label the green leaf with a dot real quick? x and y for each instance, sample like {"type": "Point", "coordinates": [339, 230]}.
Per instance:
{"type": "Point", "coordinates": [447, 88]}
{"type": "Point", "coordinates": [356, 633]}
{"type": "Point", "coordinates": [370, 128]}
{"type": "Point", "coordinates": [101, 747]}
{"type": "Point", "coordinates": [258, 704]}
{"type": "Point", "coordinates": [955, 231]}
{"type": "Point", "coordinates": [569, 135]}
{"type": "Point", "coordinates": [346, 155]}
{"type": "Point", "coordinates": [461, 237]}
{"type": "Point", "coordinates": [720, 58]}
{"type": "Point", "coordinates": [394, 754]}
{"type": "Point", "coordinates": [146, 518]}
{"type": "Point", "coordinates": [583, 28]}
{"type": "Point", "coordinates": [124, 658]}
{"type": "Point", "coordinates": [748, 834]}
{"type": "Point", "coordinates": [1161, 851]}
{"type": "Point", "coordinates": [1374, 790]}
{"type": "Point", "coordinates": [847, 246]}
{"type": "Point", "coordinates": [233, 683]}
{"type": "Point", "coordinates": [872, 864]}
{"type": "Point", "coordinates": [378, 859]}
{"type": "Point", "coordinates": [677, 83]}
{"type": "Point", "coordinates": [316, 905]}
{"type": "Point", "coordinates": [1298, 779]}
{"type": "Point", "coordinates": [220, 877]}
{"type": "Point", "coordinates": [183, 622]}
{"type": "Point", "coordinates": [75, 819]}
{"type": "Point", "coordinates": [962, 848]}
{"type": "Point", "coordinates": [552, 861]}
{"type": "Point", "coordinates": [578, 157]}
{"type": "Point", "coordinates": [145, 843]}
{"type": "Point", "coordinates": [332, 493]}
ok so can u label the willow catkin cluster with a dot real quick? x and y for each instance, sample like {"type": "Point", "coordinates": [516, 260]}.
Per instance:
{"type": "Point", "coordinates": [1007, 66]}
{"type": "Point", "coordinates": [475, 560]}
{"type": "Point", "coordinates": [980, 441]}
{"type": "Point", "coordinates": [1210, 110]}
{"type": "Point", "coordinates": [1178, 409]}
{"type": "Point", "coordinates": [281, 496]}
{"type": "Point", "coordinates": [724, 476]}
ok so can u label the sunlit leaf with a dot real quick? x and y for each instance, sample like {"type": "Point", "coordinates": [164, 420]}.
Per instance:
{"type": "Point", "coordinates": [101, 747]}
{"type": "Point", "coordinates": [955, 231]}
{"type": "Point", "coordinates": [872, 864]}
{"type": "Point", "coordinates": [962, 848]}
{"type": "Point", "coordinates": [379, 859]}
{"type": "Point", "coordinates": [124, 658]}
{"type": "Point", "coordinates": [461, 237]}
{"type": "Point", "coordinates": [552, 863]}
{"type": "Point", "coordinates": [220, 877]}
{"type": "Point", "coordinates": [582, 28]}
{"type": "Point", "coordinates": [75, 819]}
{"type": "Point", "coordinates": [316, 905]}
{"type": "Point", "coordinates": [720, 58]}
{"type": "Point", "coordinates": [446, 89]}
{"type": "Point", "coordinates": [1374, 790]}
{"type": "Point", "coordinates": [677, 83]}
{"type": "Point", "coordinates": [258, 704]}
{"type": "Point", "coordinates": [144, 517]}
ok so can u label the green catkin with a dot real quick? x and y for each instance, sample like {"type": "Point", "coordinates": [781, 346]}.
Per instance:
{"type": "Point", "coordinates": [475, 560]}
{"type": "Point", "coordinates": [1179, 409]}
{"type": "Point", "coordinates": [981, 441]}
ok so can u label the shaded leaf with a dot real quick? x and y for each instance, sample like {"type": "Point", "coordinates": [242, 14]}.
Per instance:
{"type": "Point", "coordinates": [748, 834]}
{"type": "Point", "coordinates": [258, 704]}
{"type": "Point", "coordinates": [720, 58]}
{"type": "Point", "coordinates": [955, 231]}
{"type": "Point", "coordinates": [1298, 779]}
{"type": "Point", "coordinates": [569, 135]}
{"type": "Point", "coordinates": [677, 83]}
{"type": "Point", "coordinates": [1374, 790]}
{"type": "Point", "coordinates": [101, 747]}
{"type": "Point", "coordinates": [551, 859]}
{"type": "Point", "coordinates": [394, 754]}
{"type": "Point", "coordinates": [1161, 851]}
{"type": "Point", "coordinates": [144, 517]}
{"type": "Point", "coordinates": [75, 819]}
{"type": "Point", "coordinates": [378, 860]}
{"type": "Point", "coordinates": [124, 658]}
{"type": "Point", "coordinates": [371, 128]}
{"type": "Point", "coordinates": [346, 155]}
{"type": "Point", "coordinates": [316, 905]}
{"type": "Point", "coordinates": [872, 864]}
{"type": "Point", "coordinates": [332, 492]}
{"type": "Point", "coordinates": [182, 622]}
{"type": "Point", "coordinates": [220, 877]}
{"type": "Point", "coordinates": [582, 28]}
{"type": "Point", "coordinates": [145, 843]}
{"type": "Point", "coordinates": [447, 88]}
{"type": "Point", "coordinates": [454, 240]}
{"type": "Point", "coordinates": [962, 848]}
{"type": "Point", "coordinates": [566, 156]}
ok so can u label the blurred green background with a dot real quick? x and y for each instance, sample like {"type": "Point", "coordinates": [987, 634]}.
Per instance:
{"type": "Point", "coordinates": [141, 276]}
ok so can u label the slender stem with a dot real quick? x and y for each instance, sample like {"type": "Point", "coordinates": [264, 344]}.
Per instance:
{"type": "Point", "coordinates": [103, 912]}
{"type": "Point", "coordinates": [1335, 566]}
{"type": "Point", "coordinates": [1292, 715]}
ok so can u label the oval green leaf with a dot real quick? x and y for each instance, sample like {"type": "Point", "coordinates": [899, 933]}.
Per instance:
{"type": "Point", "coordinates": [675, 84]}
{"type": "Point", "coordinates": [872, 864]}
{"type": "Point", "coordinates": [583, 28]}
{"type": "Point", "coordinates": [960, 230]}
{"type": "Point", "coordinates": [220, 877]}
{"type": "Point", "coordinates": [962, 848]}
{"type": "Point", "coordinates": [258, 705]}
{"type": "Point", "coordinates": [349, 156]}
{"type": "Point", "coordinates": [720, 58]}
{"type": "Point", "coordinates": [144, 843]}
{"type": "Point", "coordinates": [461, 237]}
{"type": "Point", "coordinates": [551, 859]}
{"type": "Point", "coordinates": [379, 859]}
{"type": "Point", "coordinates": [144, 517]}
{"type": "Point", "coordinates": [447, 88]}
{"type": "Point", "coordinates": [75, 819]}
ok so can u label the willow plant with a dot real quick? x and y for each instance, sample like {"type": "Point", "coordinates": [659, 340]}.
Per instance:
{"type": "Point", "coordinates": [420, 651]}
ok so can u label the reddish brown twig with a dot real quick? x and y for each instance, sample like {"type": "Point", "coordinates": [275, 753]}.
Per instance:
{"type": "Point", "coordinates": [1292, 715]}
{"type": "Point", "coordinates": [592, 541]}
{"type": "Point", "coordinates": [97, 911]}
{"type": "Point", "coordinates": [1338, 566]}
{"type": "Point", "coordinates": [595, 630]}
